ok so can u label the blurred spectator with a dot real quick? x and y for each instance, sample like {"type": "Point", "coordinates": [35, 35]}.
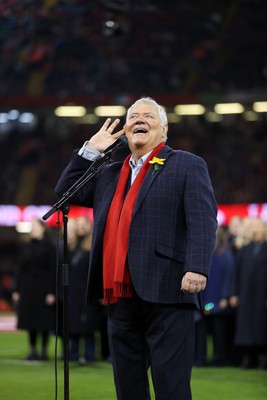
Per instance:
{"type": "Point", "coordinates": [34, 295]}
{"type": "Point", "coordinates": [251, 298]}
{"type": "Point", "coordinates": [84, 233]}
{"type": "Point", "coordinates": [244, 233]}
{"type": "Point", "coordinates": [83, 320]}
{"type": "Point", "coordinates": [233, 230]}
{"type": "Point", "coordinates": [215, 298]}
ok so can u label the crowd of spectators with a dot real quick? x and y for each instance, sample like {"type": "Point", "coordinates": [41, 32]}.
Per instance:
{"type": "Point", "coordinates": [235, 155]}
{"type": "Point", "coordinates": [235, 298]}
{"type": "Point", "coordinates": [79, 48]}
{"type": "Point", "coordinates": [63, 47]}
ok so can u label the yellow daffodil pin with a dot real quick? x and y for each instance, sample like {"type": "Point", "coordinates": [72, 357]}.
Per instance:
{"type": "Point", "coordinates": [157, 163]}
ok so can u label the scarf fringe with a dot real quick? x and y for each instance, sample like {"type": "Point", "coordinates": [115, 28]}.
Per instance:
{"type": "Point", "coordinates": [120, 289]}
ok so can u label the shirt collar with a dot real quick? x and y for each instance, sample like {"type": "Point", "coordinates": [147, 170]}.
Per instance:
{"type": "Point", "coordinates": [140, 161]}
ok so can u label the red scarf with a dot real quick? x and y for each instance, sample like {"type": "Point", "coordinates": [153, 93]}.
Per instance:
{"type": "Point", "coordinates": [116, 274]}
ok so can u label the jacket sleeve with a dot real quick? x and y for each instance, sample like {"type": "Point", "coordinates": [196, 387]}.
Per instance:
{"type": "Point", "coordinates": [74, 170]}
{"type": "Point", "coordinates": [201, 218]}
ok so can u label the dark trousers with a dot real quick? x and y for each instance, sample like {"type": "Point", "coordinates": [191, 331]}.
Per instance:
{"type": "Point", "coordinates": [143, 334]}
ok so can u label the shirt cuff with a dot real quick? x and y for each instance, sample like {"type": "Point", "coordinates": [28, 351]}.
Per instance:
{"type": "Point", "coordinates": [88, 152]}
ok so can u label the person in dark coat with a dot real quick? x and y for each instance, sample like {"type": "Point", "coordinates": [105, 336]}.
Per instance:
{"type": "Point", "coordinates": [251, 298]}
{"type": "Point", "coordinates": [35, 290]}
{"type": "Point", "coordinates": [154, 234]}
{"type": "Point", "coordinates": [83, 319]}
{"type": "Point", "coordinates": [215, 299]}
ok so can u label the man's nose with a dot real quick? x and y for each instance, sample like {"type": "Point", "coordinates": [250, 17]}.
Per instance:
{"type": "Point", "coordinates": [140, 119]}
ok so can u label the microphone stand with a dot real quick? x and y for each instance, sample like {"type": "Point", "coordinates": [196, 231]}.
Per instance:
{"type": "Point", "coordinates": [62, 205]}
{"type": "Point", "coordinates": [65, 284]}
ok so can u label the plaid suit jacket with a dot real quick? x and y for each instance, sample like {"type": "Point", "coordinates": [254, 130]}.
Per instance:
{"type": "Point", "coordinates": [173, 224]}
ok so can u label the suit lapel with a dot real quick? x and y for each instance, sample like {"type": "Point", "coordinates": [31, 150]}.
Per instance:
{"type": "Point", "coordinates": [149, 178]}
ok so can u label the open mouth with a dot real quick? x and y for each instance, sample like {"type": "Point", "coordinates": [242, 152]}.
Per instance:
{"type": "Point", "coordinates": [140, 130]}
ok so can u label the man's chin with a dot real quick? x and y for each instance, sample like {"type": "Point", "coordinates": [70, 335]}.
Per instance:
{"type": "Point", "coordinates": [139, 141]}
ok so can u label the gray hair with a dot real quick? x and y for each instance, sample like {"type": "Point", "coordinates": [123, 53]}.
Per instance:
{"type": "Point", "coordinates": [149, 100]}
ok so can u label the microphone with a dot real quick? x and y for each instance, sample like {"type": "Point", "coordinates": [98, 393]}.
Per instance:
{"type": "Point", "coordinates": [120, 142]}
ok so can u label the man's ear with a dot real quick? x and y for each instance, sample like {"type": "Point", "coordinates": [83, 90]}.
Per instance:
{"type": "Point", "coordinates": [165, 130]}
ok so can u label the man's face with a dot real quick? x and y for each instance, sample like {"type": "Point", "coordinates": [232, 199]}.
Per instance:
{"type": "Point", "coordinates": [143, 128]}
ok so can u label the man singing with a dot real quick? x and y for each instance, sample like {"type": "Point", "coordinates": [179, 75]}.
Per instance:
{"type": "Point", "coordinates": [154, 235]}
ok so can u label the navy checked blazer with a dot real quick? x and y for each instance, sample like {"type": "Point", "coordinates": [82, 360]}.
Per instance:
{"type": "Point", "coordinates": [173, 224]}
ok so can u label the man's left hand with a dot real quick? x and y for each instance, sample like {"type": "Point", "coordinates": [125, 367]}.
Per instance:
{"type": "Point", "coordinates": [193, 282]}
